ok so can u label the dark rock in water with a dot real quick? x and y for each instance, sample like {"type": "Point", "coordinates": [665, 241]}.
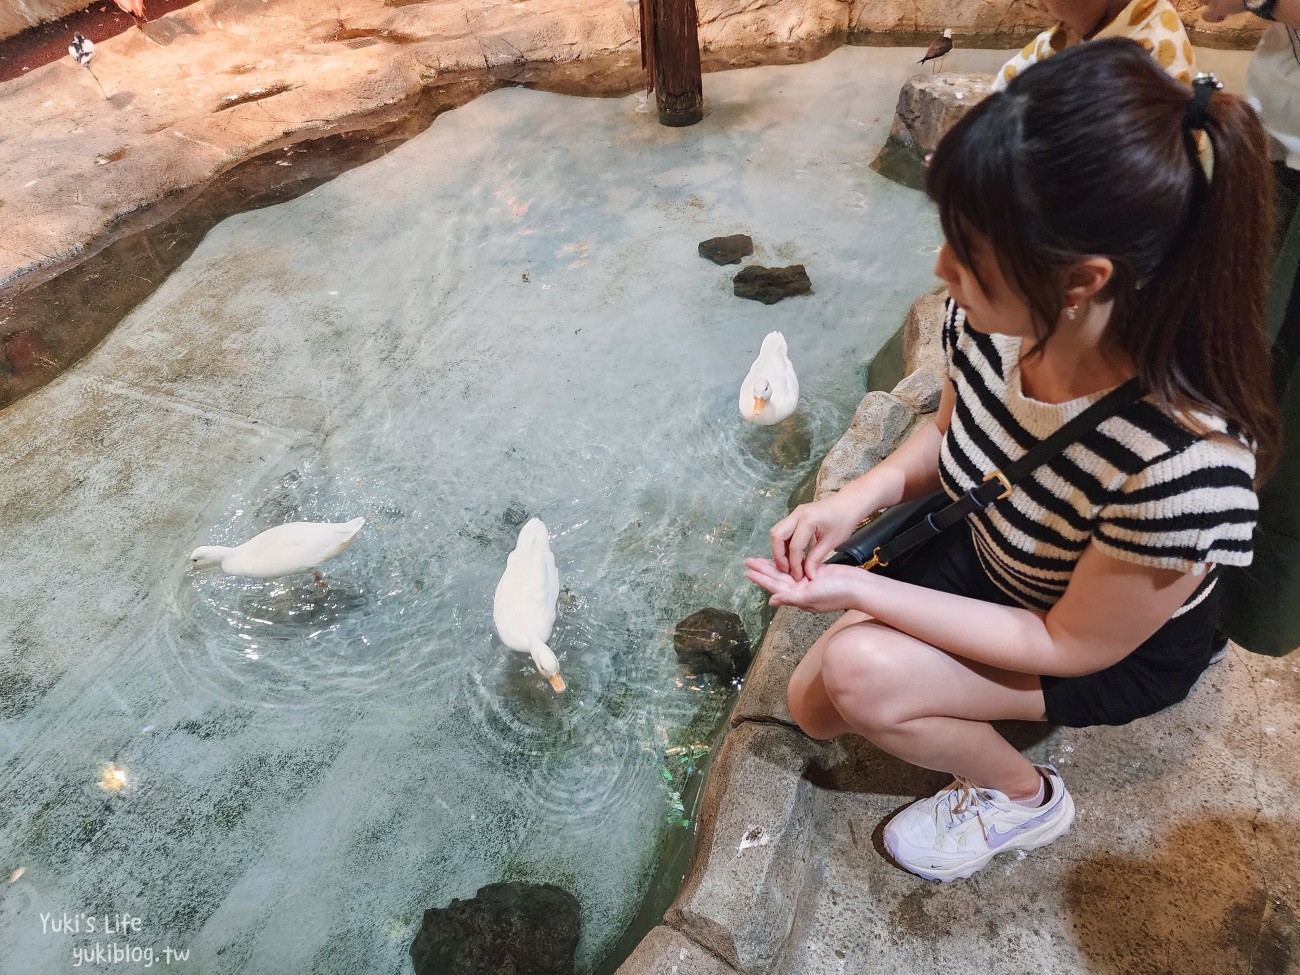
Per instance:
{"type": "Point", "coordinates": [515, 515]}
{"type": "Point", "coordinates": [527, 929]}
{"type": "Point", "coordinates": [793, 443]}
{"type": "Point", "coordinates": [727, 250]}
{"type": "Point", "coordinates": [713, 641]}
{"type": "Point", "coordinates": [770, 284]}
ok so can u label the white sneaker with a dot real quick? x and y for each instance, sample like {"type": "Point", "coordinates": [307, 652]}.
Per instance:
{"type": "Point", "coordinates": [956, 832]}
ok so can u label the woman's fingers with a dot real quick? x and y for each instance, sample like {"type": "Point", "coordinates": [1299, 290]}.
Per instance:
{"type": "Point", "coordinates": [798, 545]}
{"type": "Point", "coordinates": [780, 535]}
{"type": "Point", "coordinates": [772, 584]}
{"type": "Point", "coordinates": [816, 556]}
{"type": "Point", "coordinates": [767, 570]}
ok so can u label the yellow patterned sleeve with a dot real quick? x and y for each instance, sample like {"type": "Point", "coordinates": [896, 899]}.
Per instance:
{"type": "Point", "coordinates": [1155, 25]}
{"type": "Point", "coordinates": [1042, 46]}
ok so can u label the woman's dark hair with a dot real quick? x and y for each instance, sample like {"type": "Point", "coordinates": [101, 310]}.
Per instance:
{"type": "Point", "coordinates": [1086, 154]}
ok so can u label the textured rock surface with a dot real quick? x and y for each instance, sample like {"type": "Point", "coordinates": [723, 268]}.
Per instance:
{"type": "Point", "coordinates": [527, 929]}
{"type": "Point", "coordinates": [772, 284]}
{"type": "Point", "coordinates": [763, 698]}
{"type": "Point", "coordinates": [908, 17]}
{"type": "Point", "coordinates": [666, 951]}
{"type": "Point", "coordinates": [727, 250]}
{"type": "Point", "coordinates": [713, 641]}
{"type": "Point", "coordinates": [18, 15]}
{"type": "Point", "coordinates": [748, 871]}
{"type": "Point", "coordinates": [1011, 17]}
{"type": "Point", "coordinates": [920, 390]}
{"type": "Point", "coordinates": [930, 105]}
{"type": "Point", "coordinates": [877, 426]}
{"type": "Point", "coordinates": [922, 335]}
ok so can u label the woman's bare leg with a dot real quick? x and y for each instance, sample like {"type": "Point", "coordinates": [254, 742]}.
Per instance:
{"type": "Point", "coordinates": [919, 703]}
{"type": "Point", "coordinates": [810, 705]}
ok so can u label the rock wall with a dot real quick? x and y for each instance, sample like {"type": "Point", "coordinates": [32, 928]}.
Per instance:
{"type": "Point", "coordinates": [18, 15]}
{"type": "Point", "coordinates": [766, 25]}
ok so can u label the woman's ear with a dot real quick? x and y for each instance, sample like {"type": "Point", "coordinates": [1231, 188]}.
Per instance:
{"type": "Point", "coordinates": [1086, 279]}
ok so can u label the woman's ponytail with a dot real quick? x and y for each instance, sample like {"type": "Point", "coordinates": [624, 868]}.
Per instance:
{"type": "Point", "coordinates": [1096, 151]}
{"type": "Point", "coordinates": [1215, 283]}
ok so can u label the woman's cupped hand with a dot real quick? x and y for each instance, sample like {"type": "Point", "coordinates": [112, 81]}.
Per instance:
{"type": "Point", "coordinates": [802, 539]}
{"type": "Point", "coordinates": [832, 588]}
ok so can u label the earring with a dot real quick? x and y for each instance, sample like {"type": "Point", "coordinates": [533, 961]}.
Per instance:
{"type": "Point", "coordinates": [1071, 312]}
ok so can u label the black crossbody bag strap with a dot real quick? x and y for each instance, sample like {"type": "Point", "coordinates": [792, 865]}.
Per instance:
{"type": "Point", "coordinates": [997, 484]}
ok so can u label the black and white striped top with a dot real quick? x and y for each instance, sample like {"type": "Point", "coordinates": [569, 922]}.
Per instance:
{"type": "Point", "coordinates": [1141, 486]}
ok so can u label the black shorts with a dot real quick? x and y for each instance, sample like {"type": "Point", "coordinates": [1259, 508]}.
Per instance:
{"type": "Point", "coordinates": [1157, 674]}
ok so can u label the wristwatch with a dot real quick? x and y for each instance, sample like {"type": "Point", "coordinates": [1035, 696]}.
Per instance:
{"type": "Point", "coordinates": [1260, 8]}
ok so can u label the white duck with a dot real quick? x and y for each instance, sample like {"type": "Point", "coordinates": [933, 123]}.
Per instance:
{"type": "Point", "coordinates": [281, 551]}
{"type": "Point", "coordinates": [770, 392]}
{"type": "Point", "coordinates": [524, 606]}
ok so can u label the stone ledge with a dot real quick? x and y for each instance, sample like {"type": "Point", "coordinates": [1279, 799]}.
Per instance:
{"type": "Point", "coordinates": [877, 427]}
{"type": "Point", "coordinates": [666, 951]}
{"type": "Point", "coordinates": [741, 891]}
{"type": "Point", "coordinates": [763, 694]}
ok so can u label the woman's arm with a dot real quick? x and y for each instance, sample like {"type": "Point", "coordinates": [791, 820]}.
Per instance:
{"type": "Point", "coordinates": [1109, 608]}
{"type": "Point", "coordinates": [807, 535]}
{"type": "Point", "coordinates": [910, 471]}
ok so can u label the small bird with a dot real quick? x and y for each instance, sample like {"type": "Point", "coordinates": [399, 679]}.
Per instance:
{"type": "Point", "coordinates": [82, 50]}
{"type": "Point", "coordinates": [940, 47]}
{"type": "Point", "coordinates": [770, 391]}
{"type": "Point", "coordinates": [284, 550]}
{"type": "Point", "coordinates": [523, 608]}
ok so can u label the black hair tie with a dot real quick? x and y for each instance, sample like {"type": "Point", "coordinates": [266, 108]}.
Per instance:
{"type": "Point", "coordinates": [1197, 116]}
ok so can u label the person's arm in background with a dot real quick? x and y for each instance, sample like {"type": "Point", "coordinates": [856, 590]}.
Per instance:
{"type": "Point", "coordinates": [1286, 12]}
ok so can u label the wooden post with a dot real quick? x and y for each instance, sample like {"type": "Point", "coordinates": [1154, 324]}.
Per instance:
{"type": "Point", "coordinates": [670, 54]}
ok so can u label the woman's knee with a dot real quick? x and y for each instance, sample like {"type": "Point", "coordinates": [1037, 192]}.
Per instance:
{"type": "Point", "coordinates": [812, 710]}
{"type": "Point", "coordinates": [864, 670]}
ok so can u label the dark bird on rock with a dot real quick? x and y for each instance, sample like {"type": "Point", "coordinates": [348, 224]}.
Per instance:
{"type": "Point", "coordinates": [940, 47]}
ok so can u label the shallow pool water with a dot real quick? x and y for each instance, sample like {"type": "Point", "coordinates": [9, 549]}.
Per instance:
{"type": "Point", "coordinates": [505, 317]}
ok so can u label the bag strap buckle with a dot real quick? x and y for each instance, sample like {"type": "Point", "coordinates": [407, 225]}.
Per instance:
{"type": "Point", "coordinates": [1006, 485]}
{"type": "Point", "coordinates": [874, 560]}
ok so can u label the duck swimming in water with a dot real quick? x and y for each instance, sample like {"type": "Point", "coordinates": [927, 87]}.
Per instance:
{"type": "Point", "coordinates": [285, 550]}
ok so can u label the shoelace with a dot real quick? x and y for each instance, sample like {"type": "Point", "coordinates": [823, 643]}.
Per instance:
{"type": "Point", "coordinates": [969, 798]}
